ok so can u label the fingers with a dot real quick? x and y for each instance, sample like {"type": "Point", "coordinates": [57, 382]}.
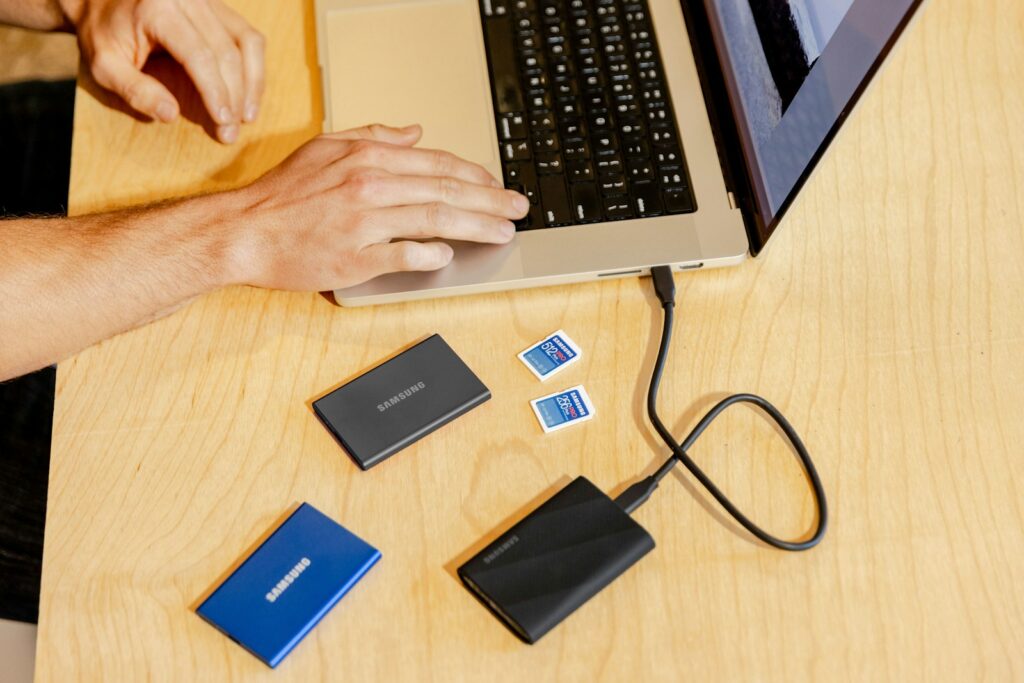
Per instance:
{"type": "Point", "coordinates": [384, 190]}
{"type": "Point", "coordinates": [252, 45]}
{"type": "Point", "coordinates": [228, 58]}
{"type": "Point", "coordinates": [143, 93]}
{"type": "Point", "coordinates": [440, 220]}
{"type": "Point", "coordinates": [181, 39]}
{"type": "Point", "coordinates": [404, 256]}
{"type": "Point", "coordinates": [407, 136]}
{"type": "Point", "coordinates": [401, 160]}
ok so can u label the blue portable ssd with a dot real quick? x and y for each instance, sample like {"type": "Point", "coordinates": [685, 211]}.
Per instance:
{"type": "Point", "coordinates": [283, 589]}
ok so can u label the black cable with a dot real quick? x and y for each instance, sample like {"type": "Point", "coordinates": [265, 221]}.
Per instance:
{"type": "Point", "coordinates": [634, 496]}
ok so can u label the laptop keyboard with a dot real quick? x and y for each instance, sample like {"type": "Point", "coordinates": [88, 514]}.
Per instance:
{"type": "Point", "coordinates": [584, 121]}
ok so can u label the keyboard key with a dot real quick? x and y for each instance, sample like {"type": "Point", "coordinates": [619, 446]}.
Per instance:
{"type": "Point", "coordinates": [524, 7]}
{"type": "Point", "coordinates": [539, 102]}
{"type": "Point", "coordinates": [671, 177]}
{"type": "Point", "coordinates": [576, 150]}
{"type": "Point", "coordinates": [640, 169]}
{"type": "Point", "coordinates": [627, 108]}
{"type": "Point", "coordinates": [631, 125]}
{"type": "Point", "coordinates": [580, 170]}
{"type": "Point", "coordinates": [563, 70]}
{"type": "Point", "coordinates": [594, 81]}
{"type": "Point", "coordinates": [555, 201]}
{"type": "Point", "coordinates": [512, 127]}
{"type": "Point", "coordinates": [542, 121]}
{"type": "Point", "coordinates": [657, 115]}
{"type": "Point", "coordinates": [524, 24]}
{"type": "Point", "coordinates": [637, 148]}
{"type": "Point", "coordinates": [548, 163]}
{"type": "Point", "coordinates": [504, 73]}
{"type": "Point", "coordinates": [568, 110]}
{"type": "Point", "coordinates": [605, 146]}
{"type": "Point", "coordinates": [613, 185]}
{"type": "Point", "coordinates": [666, 155]}
{"type": "Point", "coordinates": [545, 141]}
{"type": "Point", "coordinates": [537, 83]}
{"type": "Point", "coordinates": [609, 166]}
{"type": "Point", "coordinates": [662, 133]}
{"type": "Point", "coordinates": [599, 122]}
{"type": "Point", "coordinates": [585, 202]}
{"type": "Point", "coordinates": [528, 179]}
{"type": "Point", "coordinates": [595, 101]}
{"type": "Point", "coordinates": [622, 89]}
{"type": "Point", "coordinates": [566, 90]}
{"type": "Point", "coordinates": [516, 151]}
{"type": "Point", "coordinates": [652, 92]}
{"type": "Point", "coordinates": [646, 199]}
{"type": "Point", "coordinates": [572, 129]}
{"type": "Point", "coordinates": [618, 208]}
{"type": "Point", "coordinates": [678, 201]}
{"type": "Point", "coordinates": [533, 62]}
{"type": "Point", "coordinates": [495, 8]}
{"type": "Point", "coordinates": [528, 40]}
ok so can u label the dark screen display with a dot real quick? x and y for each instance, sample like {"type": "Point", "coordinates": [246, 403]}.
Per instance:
{"type": "Point", "coordinates": [793, 68]}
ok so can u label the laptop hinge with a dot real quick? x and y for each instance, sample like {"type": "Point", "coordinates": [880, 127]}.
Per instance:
{"type": "Point", "coordinates": [732, 200]}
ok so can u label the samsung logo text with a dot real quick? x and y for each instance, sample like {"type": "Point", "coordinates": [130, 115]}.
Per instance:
{"type": "Point", "coordinates": [401, 396]}
{"type": "Point", "coordinates": [288, 579]}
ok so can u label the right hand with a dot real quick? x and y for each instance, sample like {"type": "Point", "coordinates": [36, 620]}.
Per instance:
{"type": "Point", "coordinates": [346, 207]}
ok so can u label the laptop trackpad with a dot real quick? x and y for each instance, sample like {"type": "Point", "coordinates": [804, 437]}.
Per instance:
{"type": "Point", "coordinates": [419, 61]}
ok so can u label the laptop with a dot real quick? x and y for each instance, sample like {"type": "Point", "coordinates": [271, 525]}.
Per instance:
{"type": "Point", "coordinates": [644, 132]}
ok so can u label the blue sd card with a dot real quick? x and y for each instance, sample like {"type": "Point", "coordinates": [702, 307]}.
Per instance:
{"type": "Point", "coordinates": [563, 408]}
{"type": "Point", "coordinates": [288, 584]}
{"type": "Point", "coordinates": [551, 354]}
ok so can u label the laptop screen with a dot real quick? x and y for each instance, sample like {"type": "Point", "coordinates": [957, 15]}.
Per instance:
{"type": "Point", "coordinates": [793, 69]}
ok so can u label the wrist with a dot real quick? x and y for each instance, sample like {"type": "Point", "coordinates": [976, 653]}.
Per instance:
{"type": "Point", "coordinates": [228, 239]}
{"type": "Point", "coordinates": [207, 231]}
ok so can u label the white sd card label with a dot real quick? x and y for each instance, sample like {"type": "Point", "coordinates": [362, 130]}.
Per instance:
{"type": "Point", "coordinates": [563, 408]}
{"type": "Point", "coordinates": [550, 355]}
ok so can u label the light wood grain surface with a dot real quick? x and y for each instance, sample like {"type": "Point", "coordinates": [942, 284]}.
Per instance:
{"type": "Point", "coordinates": [886, 320]}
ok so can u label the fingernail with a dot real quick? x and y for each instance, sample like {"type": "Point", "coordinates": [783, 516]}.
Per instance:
{"type": "Point", "coordinates": [165, 111]}
{"type": "Point", "coordinates": [411, 127]}
{"type": "Point", "coordinates": [252, 110]}
{"type": "Point", "coordinates": [228, 134]}
{"type": "Point", "coordinates": [508, 230]}
{"type": "Point", "coordinates": [224, 116]}
{"type": "Point", "coordinates": [521, 203]}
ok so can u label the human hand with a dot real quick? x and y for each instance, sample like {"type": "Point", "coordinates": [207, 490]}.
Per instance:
{"type": "Point", "coordinates": [337, 212]}
{"type": "Point", "coordinates": [220, 51]}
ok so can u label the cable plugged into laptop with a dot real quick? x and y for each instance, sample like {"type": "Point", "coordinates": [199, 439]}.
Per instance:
{"type": "Point", "coordinates": [637, 494]}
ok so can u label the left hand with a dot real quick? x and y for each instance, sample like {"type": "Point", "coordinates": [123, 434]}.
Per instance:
{"type": "Point", "coordinates": [222, 53]}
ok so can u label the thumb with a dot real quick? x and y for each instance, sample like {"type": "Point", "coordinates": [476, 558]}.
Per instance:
{"type": "Point", "coordinates": [143, 93]}
{"type": "Point", "coordinates": [407, 136]}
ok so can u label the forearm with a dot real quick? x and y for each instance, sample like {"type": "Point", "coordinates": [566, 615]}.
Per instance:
{"type": "Point", "coordinates": [42, 15]}
{"type": "Point", "coordinates": [66, 284]}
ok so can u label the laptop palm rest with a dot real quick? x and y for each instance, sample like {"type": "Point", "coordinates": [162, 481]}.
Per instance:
{"type": "Point", "coordinates": [418, 61]}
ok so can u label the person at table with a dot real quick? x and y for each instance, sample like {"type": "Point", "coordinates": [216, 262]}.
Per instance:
{"type": "Point", "coordinates": [343, 208]}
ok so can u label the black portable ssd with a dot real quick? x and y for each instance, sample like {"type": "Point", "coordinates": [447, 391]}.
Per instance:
{"type": "Point", "coordinates": [400, 401]}
{"type": "Point", "coordinates": [555, 559]}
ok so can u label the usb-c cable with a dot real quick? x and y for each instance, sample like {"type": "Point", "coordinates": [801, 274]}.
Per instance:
{"type": "Point", "coordinates": [634, 496]}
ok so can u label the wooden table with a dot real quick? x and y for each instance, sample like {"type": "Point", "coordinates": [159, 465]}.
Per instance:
{"type": "Point", "coordinates": [886, 320]}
